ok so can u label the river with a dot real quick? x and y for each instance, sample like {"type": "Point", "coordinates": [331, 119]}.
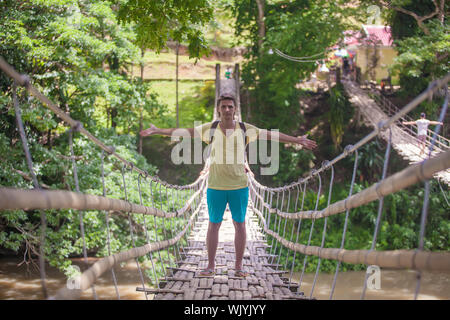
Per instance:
{"type": "Point", "coordinates": [22, 282]}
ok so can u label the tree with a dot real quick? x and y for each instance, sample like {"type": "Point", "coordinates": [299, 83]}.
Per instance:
{"type": "Point", "coordinates": [436, 9]}
{"type": "Point", "coordinates": [297, 28]}
{"type": "Point", "coordinates": [422, 41]}
{"type": "Point", "coordinates": [78, 56]}
{"type": "Point", "coordinates": [160, 21]}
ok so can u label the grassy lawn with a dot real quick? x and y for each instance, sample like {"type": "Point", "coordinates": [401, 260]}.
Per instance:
{"type": "Point", "coordinates": [166, 91]}
{"type": "Point", "coordinates": [166, 96]}
{"type": "Point", "coordinates": [163, 66]}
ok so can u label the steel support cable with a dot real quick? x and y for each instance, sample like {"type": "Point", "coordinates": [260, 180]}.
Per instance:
{"type": "Point", "coordinates": [171, 225]}
{"type": "Point", "coordinates": [80, 212]}
{"type": "Point", "coordinates": [285, 223]}
{"type": "Point", "coordinates": [299, 59]}
{"type": "Point", "coordinates": [176, 222]}
{"type": "Point", "coordinates": [161, 263]}
{"type": "Point", "coordinates": [94, 272]}
{"type": "Point", "coordinates": [108, 231]}
{"type": "Point", "coordinates": [275, 241]}
{"type": "Point", "coordinates": [184, 214]}
{"type": "Point", "coordinates": [147, 238]}
{"type": "Point", "coordinates": [443, 192]}
{"type": "Point", "coordinates": [380, 207]}
{"type": "Point", "coordinates": [302, 58]}
{"type": "Point", "coordinates": [355, 165]}
{"type": "Point", "coordinates": [297, 235]}
{"type": "Point", "coordinates": [293, 225]}
{"type": "Point", "coordinates": [270, 217]}
{"type": "Point", "coordinates": [164, 222]}
{"type": "Point", "coordinates": [132, 233]}
{"type": "Point", "coordinates": [270, 220]}
{"type": "Point", "coordinates": [312, 228]}
{"type": "Point", "coordinates": [36, 185]}
{"type": "Point", "coordinates": [266, 211]}
{"type": "Point", "coordinates": [278, 228]}
{"type": "Point", "coordinates": [324, 231]}
{"type": "Point", "coordinates": [424, 214]}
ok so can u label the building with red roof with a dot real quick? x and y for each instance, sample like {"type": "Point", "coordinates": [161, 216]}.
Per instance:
{"type": "Point", "coordinates": [370, 44]}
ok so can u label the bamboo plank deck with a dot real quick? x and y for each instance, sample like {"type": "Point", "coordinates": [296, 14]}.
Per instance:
{"type": "Point", "coordinates": [265, 282]}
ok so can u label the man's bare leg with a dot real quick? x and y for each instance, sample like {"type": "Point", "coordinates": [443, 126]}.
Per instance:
{"type": "Point", "coordinates": [212, 240]}
{"type": "Point", "coordinates": [240, 238]}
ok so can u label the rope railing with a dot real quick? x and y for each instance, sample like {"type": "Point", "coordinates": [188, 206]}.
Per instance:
{"type": "Point", "coordinates": [34, 199]}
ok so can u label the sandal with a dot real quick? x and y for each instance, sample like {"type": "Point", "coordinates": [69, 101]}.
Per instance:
{"type": "Point", "coordinates": [241, 273]}
{"type": "Point", "coordinates": [207, 273]}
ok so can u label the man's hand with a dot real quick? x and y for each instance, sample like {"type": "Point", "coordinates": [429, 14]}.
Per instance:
{"type": "Point", "coordinates": [149, 131]}
{"type": "Point", "coordinates": [308, 144]}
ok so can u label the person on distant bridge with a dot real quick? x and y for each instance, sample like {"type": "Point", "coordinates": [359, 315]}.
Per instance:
{"type": "Point", "coordinates": [422, 127]}
{"type": "Point", "coordinates": [228, 182]}
{"type": "Point", "coordinates": [228, 73]}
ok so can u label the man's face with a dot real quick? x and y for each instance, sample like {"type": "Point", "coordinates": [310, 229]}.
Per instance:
{"type": "Point", "coordinates": [226, 109]}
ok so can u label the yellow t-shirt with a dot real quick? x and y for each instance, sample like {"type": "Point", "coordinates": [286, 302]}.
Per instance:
{"type": "Point", "coordinates": [227, 170]}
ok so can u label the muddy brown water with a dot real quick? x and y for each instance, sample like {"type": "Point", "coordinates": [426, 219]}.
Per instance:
{"type": "Point", "coordinates": [20, 282]}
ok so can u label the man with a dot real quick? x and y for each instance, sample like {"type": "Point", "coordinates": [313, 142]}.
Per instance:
{"type": "Point", "coordinates": [228, 73]}
{"type": "Point", "coordinates": [422, 127]}
{"type": "Point", "coordinates": [227, 181]}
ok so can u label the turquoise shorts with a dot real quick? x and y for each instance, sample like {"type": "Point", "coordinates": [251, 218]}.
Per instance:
{"type": "Point", "coordinates": [217, 201]}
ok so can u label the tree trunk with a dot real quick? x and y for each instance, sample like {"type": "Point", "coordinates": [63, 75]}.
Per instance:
{"type": "Point", "coordinates": [176, 89]}
{"type": "Point", "coordinates": [441, 12]}
{"type": "Point", "coordinates": [141, 117]}
{"type": "Point", "coordinates": [261, 24]}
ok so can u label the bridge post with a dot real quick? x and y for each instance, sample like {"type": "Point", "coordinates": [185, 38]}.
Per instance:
{"type": "Point", "coordinates": [217, 89]}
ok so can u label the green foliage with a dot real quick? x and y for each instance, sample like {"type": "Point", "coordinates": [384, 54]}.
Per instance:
{"type": "Point", "coordinates": [297, 28]}
{"type": "Point", "coordinates": [78, 55]}
{"type": "Point", "coordinates": [157, 22]}
{"type": "Point", "coordinates": [339, 115]}
{"type": "Point", "coordinates": [199, 107]}
{"type": "Point", "coordinates": [423, 58]}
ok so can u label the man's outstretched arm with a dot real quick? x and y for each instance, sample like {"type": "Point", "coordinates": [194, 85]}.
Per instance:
{"type": "Point", "coordinates": [409, 122]}
{"type": "Point", "coordinates": [284, 138]}
{"type": "Point", "coordinates": [175, 132]}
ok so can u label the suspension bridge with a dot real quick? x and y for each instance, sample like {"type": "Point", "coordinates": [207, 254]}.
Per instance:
{"type": "Point", "coordinates": [183, 218]}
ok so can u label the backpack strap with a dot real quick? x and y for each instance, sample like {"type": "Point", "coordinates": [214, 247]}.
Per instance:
{"type": "Point", "coordinates": [212, 130]}
{"type": "Point", "coordinates": [244, 129]}
{"type": "Point", "coordinates": [246, 139]}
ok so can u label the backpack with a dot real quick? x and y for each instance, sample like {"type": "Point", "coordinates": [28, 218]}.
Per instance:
{"type": "Point", "coordinates": [243, 128]}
